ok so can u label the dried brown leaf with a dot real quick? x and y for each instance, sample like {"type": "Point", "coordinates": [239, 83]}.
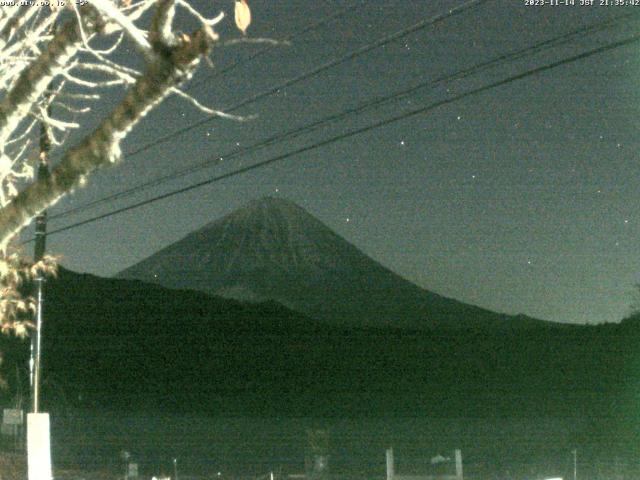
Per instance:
{"type": "Point", "coordinates": [242, 16]}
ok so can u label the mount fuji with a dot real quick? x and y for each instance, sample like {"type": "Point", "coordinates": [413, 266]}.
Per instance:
{"type": "Point", "coordinates": [274, 250]}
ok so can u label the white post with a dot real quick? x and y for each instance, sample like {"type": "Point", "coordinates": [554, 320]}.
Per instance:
{"type": "Point", "coordinates": [458, 464]}
{"type": "Point", "coordinates": [38, 446]}
{"type": "Point", "coordinates": [390, 466]}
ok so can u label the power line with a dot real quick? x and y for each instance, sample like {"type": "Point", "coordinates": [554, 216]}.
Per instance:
{"type": "Point", "coordinates": [349, 56]}
{"type": "Point", "coordinates": [355, 110]}
{"type": "Point", "coordinates": [315, 71]}
{"type": "Point", "coordinates": [309, 28]}
{"type": "Point", "coordinates": [358, 131]}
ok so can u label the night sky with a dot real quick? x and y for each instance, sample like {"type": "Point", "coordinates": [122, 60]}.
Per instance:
{"type": "Point", "coordinates": [520, 199]}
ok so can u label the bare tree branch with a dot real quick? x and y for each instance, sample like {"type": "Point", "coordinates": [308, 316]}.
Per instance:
{"type": "Point", "coordinates": [67, 67]}
{"type": "Point", "coordinates": [34, 80]}
{"type": "Point", "coordinates": [171, 66]}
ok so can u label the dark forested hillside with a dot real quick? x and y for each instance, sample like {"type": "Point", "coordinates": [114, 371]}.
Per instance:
{"type": "Point", "coordinates": [121, 344]}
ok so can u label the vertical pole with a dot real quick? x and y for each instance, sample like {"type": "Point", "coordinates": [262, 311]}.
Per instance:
{"type": "Point", "coordinates": [38, 428]}
{"type": "Point", "coordinates": [125, 456]}
{"type": "Point", "coordinates": [390, 466]}
{"type": "Point", "coordinates": [459, 474]}
{"type": "Point", "coordinates": [575, 464]}
{"type": "Point", "coordinates": [38, 254]}
{"type": "Point", "coordinates": [175, 469]}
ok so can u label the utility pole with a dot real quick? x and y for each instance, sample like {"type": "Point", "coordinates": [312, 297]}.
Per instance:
{"type": "Point", "coordinates": [38, 424]}
{"type": "Point", "coordinates": [38, 254]}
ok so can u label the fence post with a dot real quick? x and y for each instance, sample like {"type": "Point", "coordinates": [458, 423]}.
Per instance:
{"type": "Point", "coordinates": [390, 466]}
{"type": "Point", "coordinates": [458, 464]}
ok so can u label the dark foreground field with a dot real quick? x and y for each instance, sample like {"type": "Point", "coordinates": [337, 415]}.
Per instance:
{"type": "Point", "coordinates": [249, 447]}
{"type": "Point", "coordinates": [89, 445]}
